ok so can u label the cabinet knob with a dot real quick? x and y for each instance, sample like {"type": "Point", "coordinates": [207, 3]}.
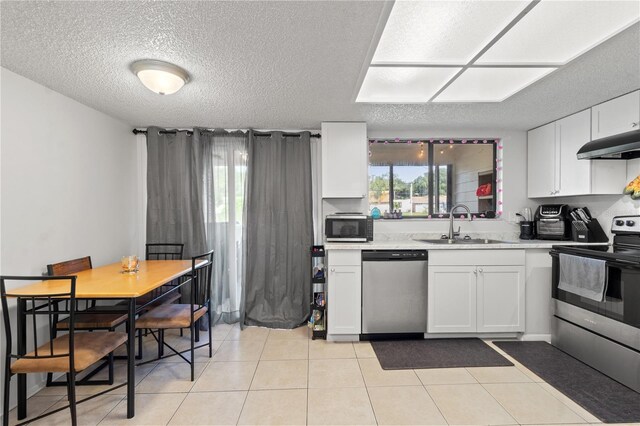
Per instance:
{"type": "Point", "coordinates": [333, 270]}
{"type": "Point", "coordinates": [634, 124]}
{"type": "Point", "coordinates": [480, 270]}
{"type": "Point", "coordinates": [475, 271]}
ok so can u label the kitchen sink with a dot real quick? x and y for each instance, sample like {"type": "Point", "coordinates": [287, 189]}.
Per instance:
{"type": "Point", "coordinates": [461, 241]}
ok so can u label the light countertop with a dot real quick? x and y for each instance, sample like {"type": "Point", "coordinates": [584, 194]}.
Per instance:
{"type": "Point", "coordinates": [410, 244]}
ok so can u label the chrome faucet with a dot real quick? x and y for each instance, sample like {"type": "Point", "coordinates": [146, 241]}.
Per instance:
{"type": "Point", "coordinates": [453, 234]}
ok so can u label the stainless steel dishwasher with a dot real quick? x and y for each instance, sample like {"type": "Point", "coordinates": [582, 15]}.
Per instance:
{"type": "Point", "coordinates": [394, 291]}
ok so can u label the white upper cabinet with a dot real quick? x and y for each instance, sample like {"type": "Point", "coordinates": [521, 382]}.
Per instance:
{"type": "Point", "coordinates": [541, 153]}
{"type": "Point", "coordinates": [573, 176]}
{"type": "Point", "coordinates": [344, 160]}
{"type": "Point", "coordinates": [619, 115]}
{"type": "Point", "coordinates": [554, 169]}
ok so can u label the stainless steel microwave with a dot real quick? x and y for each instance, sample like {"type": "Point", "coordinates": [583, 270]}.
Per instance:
{"type": "Point", "coordinates": [348, 227]}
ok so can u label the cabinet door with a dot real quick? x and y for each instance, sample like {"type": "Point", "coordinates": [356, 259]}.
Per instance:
{"type": "Point", "coordinates": [344, 160]}
{"type": "Point", "coordinates": [451, 299]}
{"type": "Point", "coordinates": [541, 161]}
{"type": "Point", "coordinates": [501, 299]}
{"type": "Point", "coordinates": [574, 175]}
{"type": "Point", "coordinates": [344, 299]}
{"type": "Point", "coordinates": [619, 115]}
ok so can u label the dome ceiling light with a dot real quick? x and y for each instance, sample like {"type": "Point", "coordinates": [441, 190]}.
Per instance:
{"type": "Point", "coordinates": [160, 77]}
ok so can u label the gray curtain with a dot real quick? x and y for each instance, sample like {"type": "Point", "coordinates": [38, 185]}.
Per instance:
{"type": "Point", "coordinates": [279, 231]}
{"type": "Point", "coordinates": [196, 192]}
{"type": "Point", "coordinates": [174, 192]}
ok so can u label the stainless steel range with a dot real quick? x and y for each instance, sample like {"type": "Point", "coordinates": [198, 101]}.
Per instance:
{"type": "Point", "coordinates": [604, 334]}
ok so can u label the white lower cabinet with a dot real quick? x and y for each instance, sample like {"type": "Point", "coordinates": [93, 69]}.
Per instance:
{"type": "Point", "coordinates": [481, 298]}
{"type": "Point", "coordinates": [500, 299]}
{"type": "Point", "coordinates": [344, 292]}
{"type": "Point", "coordinates": [451, 299]}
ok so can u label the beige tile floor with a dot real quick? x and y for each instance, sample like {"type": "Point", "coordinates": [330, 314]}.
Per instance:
{"type": "Point", "coordinates": [261, 376]}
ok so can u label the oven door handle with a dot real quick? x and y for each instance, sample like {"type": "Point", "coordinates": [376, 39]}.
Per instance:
{"type": "Point", "coordinates": [618, 263]}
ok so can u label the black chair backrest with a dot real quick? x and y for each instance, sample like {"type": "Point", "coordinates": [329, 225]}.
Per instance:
{"type": "Point", "coordinates": [34, 306]}
{"type": "Point", "coordinates": [163, 251]}
{"type": "Point", "coordinates": [201, 276]}
{"type": "Point", "coordinates": [69, 267]}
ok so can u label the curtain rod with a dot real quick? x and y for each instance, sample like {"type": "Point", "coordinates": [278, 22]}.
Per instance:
{"type": "Point", "coordinates": [190, 132]}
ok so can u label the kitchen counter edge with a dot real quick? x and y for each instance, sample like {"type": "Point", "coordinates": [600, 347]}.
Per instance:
{"type": "Point", "coordinates": [418, 245]}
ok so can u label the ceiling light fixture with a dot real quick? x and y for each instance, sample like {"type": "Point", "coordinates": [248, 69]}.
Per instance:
{"type": "Point", "coordinates": [160, 77]}
{"type": "Point", "coordinates": [483, 51]}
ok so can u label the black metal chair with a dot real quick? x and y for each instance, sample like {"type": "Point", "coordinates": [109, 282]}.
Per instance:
{"type": "Point", "coordinates": [164, 251]}
{"type": "Point", "coordinates": [90, 318]}
{"type": "Point", "coordinates": [184, 315]}
{"type": "Point", "coordinates": [160, 251]}
{"type": "Point", "coordinates": [70, 354]}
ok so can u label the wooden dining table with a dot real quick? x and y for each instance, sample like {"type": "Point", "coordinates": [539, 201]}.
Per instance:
{"type": "Point", "coordinates": [102, 283]}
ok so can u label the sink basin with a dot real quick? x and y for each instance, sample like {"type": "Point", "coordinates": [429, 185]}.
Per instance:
{"type": "Point", "coordinates": [472, 241]}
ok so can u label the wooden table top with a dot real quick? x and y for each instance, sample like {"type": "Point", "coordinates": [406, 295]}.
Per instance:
{"type": "Point", "coordinates": [109, 282]}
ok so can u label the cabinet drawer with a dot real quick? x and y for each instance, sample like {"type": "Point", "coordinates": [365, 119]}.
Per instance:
{"type": "Point", "coordinates": [476, 257]}
{"type": "Point", "coordinates": [344, 257]}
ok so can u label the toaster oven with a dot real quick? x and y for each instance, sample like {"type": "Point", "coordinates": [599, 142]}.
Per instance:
{"type": "Point", "coordinates": [552, 222]}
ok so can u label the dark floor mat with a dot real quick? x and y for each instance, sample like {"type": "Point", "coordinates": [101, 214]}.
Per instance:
{"type": "Point", "coordinates": [608, 400]}
{"type": "Point", "coordinates": [436, 353]}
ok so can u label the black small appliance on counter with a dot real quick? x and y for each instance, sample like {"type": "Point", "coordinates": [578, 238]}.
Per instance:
{"type": "Point", "coordinates": [527, 230]}
{"type": "Point", "coordinates": [552, 222]}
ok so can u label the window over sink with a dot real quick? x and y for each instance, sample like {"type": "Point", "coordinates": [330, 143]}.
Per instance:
{"type": "Point", "coordinates": [425, 178]}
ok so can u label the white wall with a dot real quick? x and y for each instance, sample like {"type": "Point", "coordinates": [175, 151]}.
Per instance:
{"type": "Point", "coordinates": [68, 182]}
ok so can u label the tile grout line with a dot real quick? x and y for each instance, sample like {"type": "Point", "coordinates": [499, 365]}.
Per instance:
{"type": "Point", "coordinates": [500, 404]}
{"type": "Point", "coordinates": [366, 388]}
{"type": "Point", "coordinates": [122, 397]}
{"type": "Point", "coordinates": [516, 363]}
{"type": "Point", "coordinates": [433, 400]}
{"type": "Point", "coordinates": [562, 402]}
{"type": "Point", "coordinates": [177, 408]}
{"type": "Point", "coordinates": [252, 378]}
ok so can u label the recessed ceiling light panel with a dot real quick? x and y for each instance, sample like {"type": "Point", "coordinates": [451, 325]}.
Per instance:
{"type": "Point", "coordinates": [403, 84]}
{"type": "Point", "coordinates": [442, 32]}
{"type": "Point", "coordinates": [490, 84]}
{"type": "Point", "coordinates": [160, 77]}
{"type": "Point", "coordinates": [555, 32]}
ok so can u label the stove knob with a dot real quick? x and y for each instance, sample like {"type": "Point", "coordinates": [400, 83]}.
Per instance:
{"type": "Point", "coordinates": [619, 222]}
{"type": "Point", "coordinates": [630, 223]}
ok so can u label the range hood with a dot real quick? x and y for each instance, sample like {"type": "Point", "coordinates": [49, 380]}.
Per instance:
{"type": "Point", "coordinates": [624, 146]}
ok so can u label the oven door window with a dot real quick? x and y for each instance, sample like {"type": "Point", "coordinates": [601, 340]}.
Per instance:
{"type": "Point", "coordinates": [622, 297]}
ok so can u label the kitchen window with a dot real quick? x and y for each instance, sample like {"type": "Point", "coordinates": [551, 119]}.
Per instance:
{"type": "Point", "coordinates": [425, 178]}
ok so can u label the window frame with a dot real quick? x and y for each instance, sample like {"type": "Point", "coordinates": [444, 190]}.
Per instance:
{"type": "Point", "coordinates": [431, 143]}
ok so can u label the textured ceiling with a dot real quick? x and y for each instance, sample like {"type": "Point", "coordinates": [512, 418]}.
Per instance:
{"type": "Point", "coordinates": [287, 65]}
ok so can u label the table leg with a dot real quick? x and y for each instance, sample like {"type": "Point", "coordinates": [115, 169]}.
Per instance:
{"type": "Point", "coordinates": [22, 349]}
{"type": "Point", "coordinates": [131, 372]}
